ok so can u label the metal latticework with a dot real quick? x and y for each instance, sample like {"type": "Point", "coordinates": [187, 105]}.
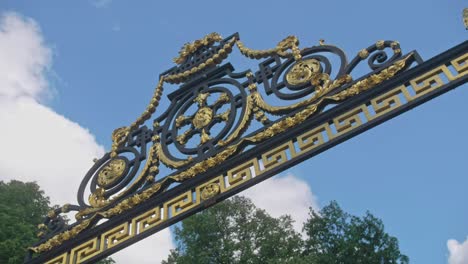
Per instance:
{"type": "Point", "coordinates": [226, 130]}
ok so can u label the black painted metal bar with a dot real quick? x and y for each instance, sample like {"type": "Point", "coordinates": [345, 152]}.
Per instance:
{"type": "Point", "coordinates": [402, 78]}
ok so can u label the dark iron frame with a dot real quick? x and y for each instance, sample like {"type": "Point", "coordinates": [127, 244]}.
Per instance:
{"type": "Point", "coordinates": [143, 136]}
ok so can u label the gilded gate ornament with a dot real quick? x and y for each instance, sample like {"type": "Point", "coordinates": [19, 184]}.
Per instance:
{"type": "Point", "coordinates": [217, 115]}
{"type": "Point", "coordinates": [205, 117]}
{"type": "Point", "coordinates": [111, 172]}
{"type": "Point", "coordinates": [209, 191]}
{"type": "Point", "coordinates": [303, 72]}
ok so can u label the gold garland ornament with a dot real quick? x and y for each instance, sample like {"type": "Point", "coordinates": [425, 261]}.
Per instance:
{"type": "Point", "coordinates": [121, 134]}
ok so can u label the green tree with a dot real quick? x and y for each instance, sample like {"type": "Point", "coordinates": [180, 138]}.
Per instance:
{"type": "Point", "coordinates": [22, 207]}
{"type": "Point", "coordinates": [235, 231]}
{"type": "Point", "coordinates": [334, 236]}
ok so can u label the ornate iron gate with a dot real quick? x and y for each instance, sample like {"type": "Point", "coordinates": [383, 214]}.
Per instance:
{"type": "Point", "coordinates": [228, 130]}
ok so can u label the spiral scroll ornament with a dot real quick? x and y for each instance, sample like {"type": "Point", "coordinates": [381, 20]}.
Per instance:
{"type": "Point", "coordinates": [215, 114]}
{"type": "Point", "coordinates": [209, 119]}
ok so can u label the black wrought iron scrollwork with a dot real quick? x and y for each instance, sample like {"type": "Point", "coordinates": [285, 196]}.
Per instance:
{"type": "Point", "coordinates": [54, 222]}
{"type": "Point", "coordinates": [206, 122]}
{"type": "Point", "coordinates": [206, 116]}
{"type": "Point", "coordinates": [112, 178]}
{"type": "Point", "coordinates": [377, 55]}
{"type": "Point", "coordinates": [187, 125]}
{"type": "Point", "coordinates": [215, 103]}
{"type": "Point", "coordinates": [273, 72]}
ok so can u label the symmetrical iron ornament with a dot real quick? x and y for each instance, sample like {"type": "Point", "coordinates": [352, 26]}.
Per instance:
{"type": "Point", "coordinates": [226, 130]}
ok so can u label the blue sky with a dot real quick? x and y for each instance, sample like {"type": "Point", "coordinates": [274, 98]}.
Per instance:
{"type": "Point", "coordinates": [412, 172]}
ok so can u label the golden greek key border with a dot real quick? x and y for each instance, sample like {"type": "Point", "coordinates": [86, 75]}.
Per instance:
{"type": "Point", "coordinates": [298, 146]}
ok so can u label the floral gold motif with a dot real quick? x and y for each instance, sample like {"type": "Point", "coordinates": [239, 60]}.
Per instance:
{"type": "Point", "coordinates": [111, 172]}
{"type": "Point", "coordinates": [303, 71]}
{"type": "Point", "coordinates": [255, 105]}
{"type": "Point", "coordinates": [210, 191]}
{"type": "Point", "coordinates": [203, 118]}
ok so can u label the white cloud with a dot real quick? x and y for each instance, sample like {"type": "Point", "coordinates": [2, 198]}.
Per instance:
{"type": "Point", "coordinates": [25, 58]}
{"type": "Point", "coordinates": [41, 145]}
{"type": "Point", "coordinates": [37, 143]}
{"type": "Point", "coordinates": [458, 252]}
{"type": "Point", "coordinates": [284, 195]}
{"type": "Point", "coordinates": [151, 250]}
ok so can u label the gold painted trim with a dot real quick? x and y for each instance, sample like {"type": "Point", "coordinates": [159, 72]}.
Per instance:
{"type": "Point", "coordinates": [288, 43]}
{"type": "Point", "coordinates": [190, 48]}
{"type": "Point", "coordinates": [269, 132]}
{"type": "Point", "coordinates": [241, 174]}
{"type": "Point", "coordinates": [168, 161]}
{"type": "Point", "coordinates": [320, 91]}
{"type": "Point", "coordinates": [216, 59]}
{"type": "Point", "coordinates": [244, 124]}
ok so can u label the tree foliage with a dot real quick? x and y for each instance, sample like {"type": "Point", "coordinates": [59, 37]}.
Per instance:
{"type": "Point", "coordinates": [235, 231]}
{"type": "Point", "coordinates": [334, 236]}
{"type": "Point", "coordinates": [22, 207]}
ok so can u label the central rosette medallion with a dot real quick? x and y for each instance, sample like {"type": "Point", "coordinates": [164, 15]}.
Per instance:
{"type": "Point", "coordinates": [206, 116]}
{"type": "Point", "coordinates": [203, 117]}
